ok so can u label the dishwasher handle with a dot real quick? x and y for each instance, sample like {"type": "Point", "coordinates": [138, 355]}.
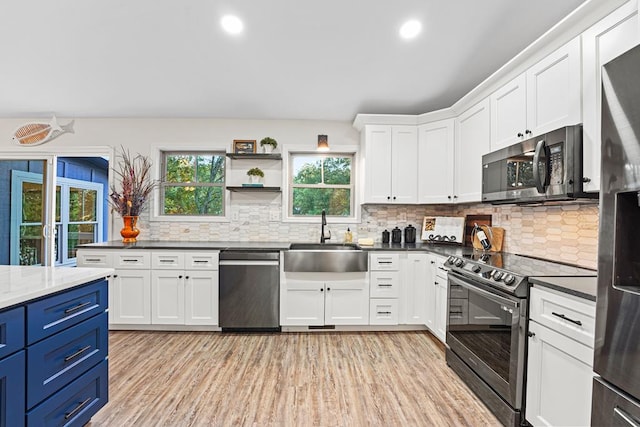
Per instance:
{"type": "Point", "coordinates": [249, 256]}
{"type": "Point", "coordinates": [248, 262]}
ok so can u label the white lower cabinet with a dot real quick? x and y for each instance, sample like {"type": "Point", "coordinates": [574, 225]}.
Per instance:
{"type": "Point", "coordinates": [130, 297]}
{"type": "Point", "coordinates": [559, 365]}
{"type": "Point", "coordinates": [413, 296]}
{"type": "Point", "coordinates": [440, 320]}
{"type": "Point", "coordinates": [436, 305]}
{"type": "Point", "coordinates": [160, 287]}
{"type": "Point", "coordinates": [317, 299]}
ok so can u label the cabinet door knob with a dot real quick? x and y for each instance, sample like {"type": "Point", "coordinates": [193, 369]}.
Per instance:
{"type": "Point", "coordinates": [115, 275]}
{"type": "Point", "coordinates": [531, 334]}
{"type": "Point", "coordinates": [394, 197]}
{"type": "Point", "coordinates": [186, 277]}
{"type": "Point", "coordinates": [180, 277]}
{"type": "Point", "coordinates": [328, 289]}
{"type": "Point", "coordinates": [528, 132]}
{"type": "Point", "coordinates": [455, 197]}
{"type": "Point", "coordinates": [321, 289]}
{"type": "Point", "coordinates": [388, 197]}
{"type": "Point", "coordinates": [520, 135]}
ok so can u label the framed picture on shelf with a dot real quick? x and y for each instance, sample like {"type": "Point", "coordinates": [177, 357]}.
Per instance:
{"type": "Point", "coordinates": [244, 146]}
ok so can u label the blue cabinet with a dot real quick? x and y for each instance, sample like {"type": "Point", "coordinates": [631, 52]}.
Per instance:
{"type": "Point", "coordinates": [53, 358]}
{"type": "Point", "coordinates": [11, 331]}
{"type": "Point", "coordinates": [12, 390]}
{"type": "Point", "coordinates": [60, 311]}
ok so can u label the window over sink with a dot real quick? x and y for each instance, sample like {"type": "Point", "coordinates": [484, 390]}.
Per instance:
{"type": "Point", "coordinates": [321, 181]}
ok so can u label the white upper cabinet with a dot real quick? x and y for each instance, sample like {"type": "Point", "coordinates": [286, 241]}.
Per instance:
{"type": "Point", "coordinates": [391, 164]}
{"type": "Point", "coordinates": [509, 113]}
{"type": "Point", "coordinates": [613, 35]}
{"type": "Point", "coordinates": [472, 136]}
{"type": "Point", "coordinates": [553, 90]}
{"type": "Point", "coordinates": [436, 161]}
{"type": "Point", "coordinates": [544, 98]}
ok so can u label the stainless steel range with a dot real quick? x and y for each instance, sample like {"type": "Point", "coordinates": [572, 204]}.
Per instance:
{"type": "Point", "coordinates": [487, 325]}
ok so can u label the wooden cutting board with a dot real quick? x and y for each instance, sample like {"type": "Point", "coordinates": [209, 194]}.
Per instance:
{"type": "Point", "coordinates": [495, 235]}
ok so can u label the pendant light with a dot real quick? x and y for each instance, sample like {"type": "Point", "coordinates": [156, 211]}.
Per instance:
{"type": "Point", "coordinates": [323, 143]}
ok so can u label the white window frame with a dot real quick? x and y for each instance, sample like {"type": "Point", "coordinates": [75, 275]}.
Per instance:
{"type": "Point", "coordinates": [156, 202]}
{"type": "Point", "coordinates": [287, 190]}
{"type": "Point", "coordinates": [18, 178]}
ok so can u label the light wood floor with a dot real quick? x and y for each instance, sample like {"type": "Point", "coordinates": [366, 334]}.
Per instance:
{"type": "Point", "coordinates": [288, 379]}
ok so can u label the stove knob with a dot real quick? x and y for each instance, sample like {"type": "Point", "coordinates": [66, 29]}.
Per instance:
{"type": "Point", "coordinates": [451, 260]}
{"type": "Point", "coordinates": [459, 262]}
{"type": "Point", "coordinates": [509, 279]}
{"type": "Point", "coordinates": [497, 275]}
{"type": "Point", "coordinates": [476, 269]}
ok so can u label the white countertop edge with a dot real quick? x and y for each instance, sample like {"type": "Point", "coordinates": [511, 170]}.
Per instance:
{"type": "Point", "coordinates": [19, 284]}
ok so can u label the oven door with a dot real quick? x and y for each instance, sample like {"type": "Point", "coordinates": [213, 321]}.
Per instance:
{"type": "Point", "coordinates": [487, 331]}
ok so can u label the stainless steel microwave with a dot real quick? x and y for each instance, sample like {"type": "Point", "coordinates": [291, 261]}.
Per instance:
{"type": "Point", "coordinates": [544, 168]}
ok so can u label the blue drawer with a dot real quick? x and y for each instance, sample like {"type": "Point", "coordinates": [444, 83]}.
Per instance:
{"type": "Point", "coordinates": [12, 390]}
{"type": "Point", "coordinates": [11, 331]}
{"type": "Point", "coordinates": [58, 312]}
{"type": "Point", "coordinates": [56, 361]}
{"type": "Point", "coordinates": [75, 404]}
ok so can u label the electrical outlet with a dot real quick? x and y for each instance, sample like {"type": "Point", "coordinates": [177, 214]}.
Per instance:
{"type": "Point", "coordinates": [235, 216]}
{"type": "Point", "coordinates": [274, 216]}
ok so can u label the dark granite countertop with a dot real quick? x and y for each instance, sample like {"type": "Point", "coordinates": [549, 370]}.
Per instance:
{"type": "Point", "coordinates": [440, 249]}
{"type": "Point", "coordinates": [184, 245]}
{"type": "Point", "coordinates": [583, 287]}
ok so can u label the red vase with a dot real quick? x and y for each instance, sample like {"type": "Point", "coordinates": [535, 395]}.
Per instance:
{"type": "Point", "coordinates": [129, 232]}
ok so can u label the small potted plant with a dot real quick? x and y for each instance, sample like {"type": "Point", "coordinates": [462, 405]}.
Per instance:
{"type": "Point", "coordinates": [254, 175]}
{"type": "Point", "coordinates": [268, 144]}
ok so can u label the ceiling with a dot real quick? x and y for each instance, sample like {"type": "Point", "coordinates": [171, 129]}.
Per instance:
{"type": "Point", "coordinates": [326, 60]}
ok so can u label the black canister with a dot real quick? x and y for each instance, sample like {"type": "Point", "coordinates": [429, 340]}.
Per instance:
{"type": "Point", "coordinates": [385, 236]}
{"type": "Point", "coordinates": [396, 235]}
{"type": "Point", "coordinates": [410, 234]}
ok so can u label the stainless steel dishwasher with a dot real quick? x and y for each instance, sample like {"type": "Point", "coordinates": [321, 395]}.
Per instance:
{"type": "Point", "coordinates": [249, 291]}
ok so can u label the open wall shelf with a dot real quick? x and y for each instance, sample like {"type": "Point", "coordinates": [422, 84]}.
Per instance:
{"type": "Point", "coordinates": [255, 156]}
{"type": "Point", "coordinates": [254, 189]}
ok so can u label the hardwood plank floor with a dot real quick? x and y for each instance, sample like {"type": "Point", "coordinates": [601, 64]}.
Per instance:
{"type": "Point", "coordinates": [288, 379]}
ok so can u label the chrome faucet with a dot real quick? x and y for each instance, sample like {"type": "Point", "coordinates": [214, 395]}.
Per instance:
{"type": "Point", "coordinates": [324, 238]}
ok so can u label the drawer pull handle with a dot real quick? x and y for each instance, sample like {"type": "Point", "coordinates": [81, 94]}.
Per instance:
{"type": "Point", "coordinates": [568, 319]}
{"type": "Point", "coordinates": [77, 307]}
{"type": "Point", "coordinates": [93, 260]}
{"type": "Point", "coordinates": [200, 261]}
{"type": "Point", "coordinates": [384, 312]}
{"type": "Point", "coordinates": [167, 260]}
{"type": "Point", "coordinates": [624, 416]}
{"type": "Point", "coordinates": [130, 260]}
{"type": "Point", "coordinates": [443, 269]}
{"type": "Point", "coordinates": [77, 408]}
{"type": "Point", "coordinates": [384, 262]}
{"type": "Point", "coordinates": [77, 353]}
{"type": "Point", "coordinates": [385, 285]}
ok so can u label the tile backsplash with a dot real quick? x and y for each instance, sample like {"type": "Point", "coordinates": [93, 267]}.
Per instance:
{"type": "Point", "coordinates": [567, 232]}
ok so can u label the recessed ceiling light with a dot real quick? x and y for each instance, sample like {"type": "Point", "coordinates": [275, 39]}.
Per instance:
{"type": "Point", "coordinates": [410, 29]}
{"type": "Point", "coordinates": [232, 24]}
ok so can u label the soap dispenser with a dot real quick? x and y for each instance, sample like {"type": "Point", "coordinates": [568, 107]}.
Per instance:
{"type": "Point", "coordinates": [348, 236]}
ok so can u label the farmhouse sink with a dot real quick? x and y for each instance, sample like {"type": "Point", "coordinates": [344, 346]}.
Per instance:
{"type": "Point", "coordinates": [325, 258]}
{"type": "Point", "coordinates": [324, 247]}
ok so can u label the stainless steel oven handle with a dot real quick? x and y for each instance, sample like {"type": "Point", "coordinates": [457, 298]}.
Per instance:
{"type": "Point", "coordinates": [486, 294]}
{"type": "Point", "coordinates": [622, 415]}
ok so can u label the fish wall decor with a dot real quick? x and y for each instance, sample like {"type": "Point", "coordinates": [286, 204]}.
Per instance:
{"type": "Point", "coordinates": [37, 133]}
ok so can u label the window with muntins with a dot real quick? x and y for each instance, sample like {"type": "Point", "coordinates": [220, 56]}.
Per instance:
{"type": "Point", "coordinates": [321, 182]}
{"type": "Point", "coordinates": [192, 183]}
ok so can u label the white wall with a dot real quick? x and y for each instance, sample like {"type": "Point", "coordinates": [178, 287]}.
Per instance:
{"type": "Point", "coordinates": [253, 212]}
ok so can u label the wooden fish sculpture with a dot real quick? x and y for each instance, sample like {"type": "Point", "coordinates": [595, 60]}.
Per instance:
{"type": "Point", "coordinates": [39, 133]}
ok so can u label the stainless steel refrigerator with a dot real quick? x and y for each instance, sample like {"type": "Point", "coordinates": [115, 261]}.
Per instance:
{"type": "Point", "coordinates": [616, 395]}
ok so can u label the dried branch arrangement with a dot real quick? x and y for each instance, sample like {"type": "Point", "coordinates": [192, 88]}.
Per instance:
{"type": "Point", "coordinates": [133, 174]}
